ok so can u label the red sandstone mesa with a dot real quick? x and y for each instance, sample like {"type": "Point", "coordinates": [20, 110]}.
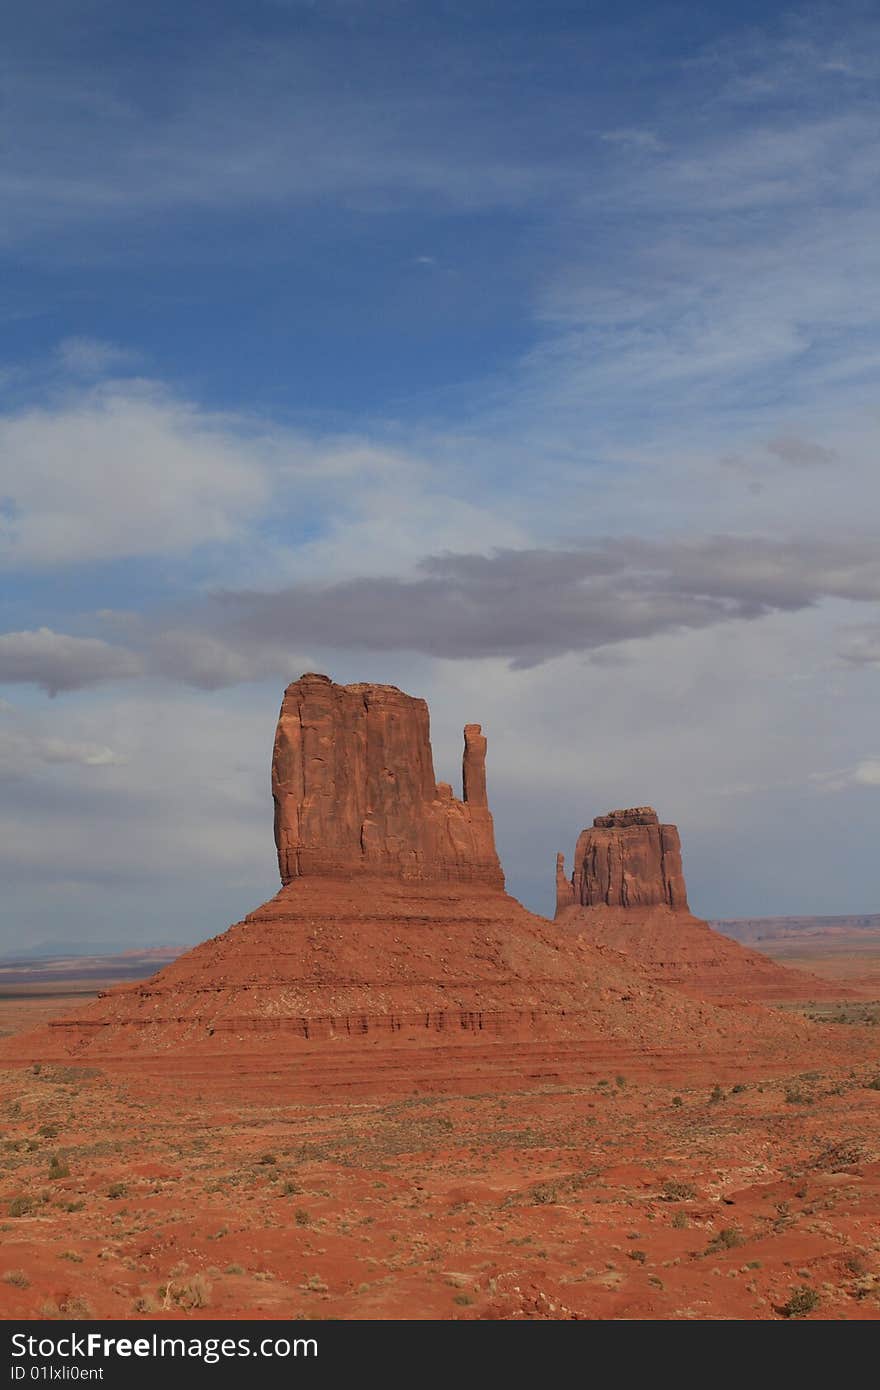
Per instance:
{"type": "Point", "coordinates": [628, 892]}
{"type": "Point", "coordinates": [354, 789]}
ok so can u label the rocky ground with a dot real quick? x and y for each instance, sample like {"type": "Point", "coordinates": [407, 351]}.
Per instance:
{"type": "Point", "coordinates": [645, 1189]}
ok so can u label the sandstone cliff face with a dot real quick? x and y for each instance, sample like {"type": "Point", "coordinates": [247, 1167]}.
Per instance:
{"type": "Point", "coordinates": [354, 790]}
{"type": "Point", "coordinates": [626, 859]}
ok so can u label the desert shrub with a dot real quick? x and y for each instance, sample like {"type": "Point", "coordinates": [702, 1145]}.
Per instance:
{"type": "Point", "coordinates": [801, 1302]}
{"type": "Point", "coordinates": [234, 1269]}
{"type": "Point", "coordinates": [638, 1255]}
{"type": "Point", "coordinates": [58, 1167]}
{"type": "Point", "coordinates": [195, 1293]}
{"type": "Point", "coordinates": [116, 1190]}
{"type": "Point", "coordinates": [795, 1096]}
{"type": "Point", "coordinates": [290, 1188]}
{"type": "Point", "coordinates": [48, 1131]}
{"type": "Point", "coordinates": [73, 1308]}
{"type": "Point", "coordinates": [728, 1238]}
{"type": "Point", "coordinates": [680, 1221]}
{"type": "Point", "coordinates": [17, 1278]}
{"type": "Point", "coordinates": [738, 1089]}
{"type": "Point", "coordinates": [620, 1081]}
{"type": "Point", "coordinates": [873, 1084]}
{"type": "Point", "coordinates": [675, 1191]}
{"type": "Point", "coordinates": [268, 1159]}
{"type": "Point", "coordinates": [301, 1217]}
{"type": "Point", "coordinates": [677, 1100]}
{"type": "Point", "coordinates": [717, 1094]}
{"type": "Point", "coordinates": [463, 1299]}
{"type": "Point", "coordinates": [21, 1206]}
{"type": "Point", "coordinates": [856, 1265]}
{"type": "Point", "coordinates": [76, 1308]}
{"type": "Point", "coordinates": [545, 1194]}
{"type": "Point", "coordinates": [75, 1206]}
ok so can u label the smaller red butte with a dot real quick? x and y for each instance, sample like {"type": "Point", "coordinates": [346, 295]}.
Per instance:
{"type": "Point", "coordinates": [627, 859]}
{"type": "Point", "coordinates": [627, 892]}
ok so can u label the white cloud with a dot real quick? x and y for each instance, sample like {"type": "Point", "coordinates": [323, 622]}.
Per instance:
{"type": "Point", "coordinates": [20, 751]}
{"type": "Point", "coordinates": [859, 644]}
{"type": "Point", "coordinates": [125, 470]}
{"type": "Point", "coordinates": [91, 357]}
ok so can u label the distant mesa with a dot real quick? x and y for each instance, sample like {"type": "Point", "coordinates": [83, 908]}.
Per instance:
{"type": "Point", "coordinates": [627, 892]}
{"type": "Point", "coordinates": [626, 859]}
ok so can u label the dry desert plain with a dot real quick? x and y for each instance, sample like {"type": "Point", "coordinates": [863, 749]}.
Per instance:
{"type": "Point", "coordinates": [393, 1093]}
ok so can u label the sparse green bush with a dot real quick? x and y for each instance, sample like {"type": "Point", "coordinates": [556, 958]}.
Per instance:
{"type": "Point", "coordinates": [728, 1238]}
{"type": "Point", "coordinates": [676, 1191]}
{"type": "Point", "coordinates": [545, 1194]}
{"type": "Point", "coordinates": [801, 1302]}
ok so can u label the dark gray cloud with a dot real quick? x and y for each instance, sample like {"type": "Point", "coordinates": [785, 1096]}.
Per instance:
{"type": "Point", "coordinates": [526, 606]}
{"type": "Point", "coordinates": [800, 453]}
{"type": "Point", "coordinates": [530, 605]}
{"type": "Point", "coordinates": [57, 661]}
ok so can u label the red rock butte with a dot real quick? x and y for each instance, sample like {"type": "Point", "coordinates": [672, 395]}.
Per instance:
{"type": "Point", "coordinates": [627, 892]}
{"type": "Point", "coordinates": [393, 949]}
{"type": "Point", "coordinates": [354, 790]}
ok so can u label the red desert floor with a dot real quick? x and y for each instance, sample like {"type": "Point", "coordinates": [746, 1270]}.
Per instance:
{"type": "Point", "coordinates": [498, 1181]}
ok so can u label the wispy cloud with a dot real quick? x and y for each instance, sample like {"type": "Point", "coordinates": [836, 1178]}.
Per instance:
{"type": "Point", "coordinates": [91, 357]}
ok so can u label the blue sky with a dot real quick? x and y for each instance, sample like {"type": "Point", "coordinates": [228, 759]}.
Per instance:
{"type": "Point", "coordinates": [524, 356]}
